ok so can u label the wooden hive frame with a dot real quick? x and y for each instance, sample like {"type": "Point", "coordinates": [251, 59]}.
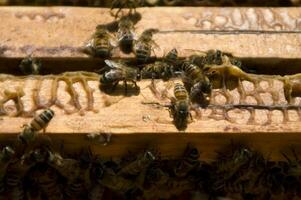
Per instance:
{"type": "Point", "coordinates": [56, 35]}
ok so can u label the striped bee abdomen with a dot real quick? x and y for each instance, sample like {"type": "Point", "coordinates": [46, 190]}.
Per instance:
{"type": "Point", "coordinates": [180, 92]}
{"type": "Point", "coordinates": [42, 120]}
{"type": "Point", "coordinates": [102, 48]}
{"type": "Point", "coordinates": [143, 53]}
{"type": "Point", "coordinates": [171, 57]}
{"type": "Point", "coordinates": [192, 71]}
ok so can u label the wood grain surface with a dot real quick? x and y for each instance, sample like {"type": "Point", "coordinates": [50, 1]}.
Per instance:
{"type": "Point", "coordinates": [245, 32]}
{"type": "Point", "coordinates": [59, 33]}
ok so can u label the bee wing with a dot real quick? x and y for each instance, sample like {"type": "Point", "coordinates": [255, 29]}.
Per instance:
{"type": "Point", "coordinates": [88, 46]}
{"type": "Point", "coordinates": [135, 36]}
{"type": "Point", "coordinates": [112, 64]}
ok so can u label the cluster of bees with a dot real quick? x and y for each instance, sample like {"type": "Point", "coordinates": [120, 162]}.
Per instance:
{"type": "Point", "coordinates": [129, 3]}
{"type": "Point", "coordinates": [32, 169]}
{"type": "Point", "coordinates": [195, 87]}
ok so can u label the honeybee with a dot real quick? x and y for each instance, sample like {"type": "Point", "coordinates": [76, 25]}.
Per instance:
{"type": "Point", "coordinates": [74, 189]}
{"type": "Point", "coordinates": [135, 167]}
{"type": "Point", "coordinates": [161, 69]}
{"type": "Point", "coordinates": [180, 107]}
{"type": "Point", "coordinates": [119, 71]}
{"type": "Point", "coordinates": [197, 82]}
{"type": "Point", "coordinates": [171, 57]}
{"type": "Point", "coordinates": [125, 34]}
{"type": "Point", "coordinates": [189, 161]}
{"type": "Point", "coordinates": [101, 43]}
{"type": "Point", "coordinates": [30, 65]}
{"type": "Point", "coordinates": [39, 122]}
{"type": "Point", "coordinates": [144, 45]}
{"type": "Point", "coordinates": [5, 156]}
{"type": "Point", "coordinates": [120, 4]}
{"type": "Point", "coordinates": [157, 70]}
{"type": "Point", "coordinates": [48, 180]}
{"type": "Point", "coordinates": [216, 57]}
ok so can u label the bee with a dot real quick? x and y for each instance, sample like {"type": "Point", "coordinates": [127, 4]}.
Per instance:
{"type": "Point", "coordinates": [197, 82]}
{"type": "Point", "coordinates": [74, 189]}
{"type": "Point", "coordinates": [30, 65]}
{"type": "Point", "coordinates": [180, 107]}
{"type": "Point", "coordinates": [171, 57]}
{"type": "Point", "coordinates": [157, 70]}
{"type": "Point", "coordinates": [144, 45]}
{"type": "Point", "coordinates": [126, 35]}
{"type": "Point", "coordinates": [5, 156]}
{"type": "Point", "coordinates": [101, 43]}
{"type": "Point", "coordinates": [161, 69]}
{"type": "Point", "coordinates": [135, 167]}
{"type": "Point", "coordinates": [48, 180]}
{"type": "Point", "coordinates": [39, 122]}
{"type": "Point", "coordinates": [216, 57]}
{"type": "Point", "coordinates": [189, 162]}
{"type": "Point", "coordinates": [14, 176]}
{"type": "Point", "coordinates": [119, 71]}
{"type": "Point", "coordinates": [120, 4]}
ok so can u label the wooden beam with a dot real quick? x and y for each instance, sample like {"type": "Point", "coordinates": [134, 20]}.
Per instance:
{"type": "Point", "coordinates": [245, 32]}
{"type": "Point", "coordinates": [136, 123]}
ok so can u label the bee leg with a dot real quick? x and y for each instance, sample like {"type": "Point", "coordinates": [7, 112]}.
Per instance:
{"type": "Point", "coordinates": [135, 83]}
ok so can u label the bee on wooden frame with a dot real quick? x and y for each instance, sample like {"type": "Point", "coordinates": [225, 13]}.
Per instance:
{"type": "Point", "coordinates": [157, 70]}
{"type": "Point", "coordinates": [161, 69]}
{"type": "Point", "coordinates": [30, 66]}
{"type": "Point", "coordinates": [180, 107]}
{"type": "Point", "coordinates": [171, 57]}
{"type": "Point", "coordinates": [121, 4]}
{"type": "Point", "coordinates": [119, 71]}
{"type": "Point", "coordinates": [38, 123]}
{"type": "Point", "coordinates": [126, 35]}
{"type": "Point", "coordinates": [143, 47]}
{"type": "Point", "coordinates": [197, 83]}
{"type": "Point", "coordinates": [101, 43]}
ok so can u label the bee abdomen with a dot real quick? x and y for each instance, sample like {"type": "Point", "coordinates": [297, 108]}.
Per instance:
{"type": "Point", "coordinates": [12, 179]}
{"type": "Point", "coordinates": [192, 71]}
{"type": "Point", "coordinates": [172, 56]}
{"type": "Point", "coordinates": [143, 54]}
{"type": "Point", "coordinates": [74, 189]}
{"type": "Point", "coordinates": [180, 92]}
{"type": "Point", "coordinates": [42, 120]}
